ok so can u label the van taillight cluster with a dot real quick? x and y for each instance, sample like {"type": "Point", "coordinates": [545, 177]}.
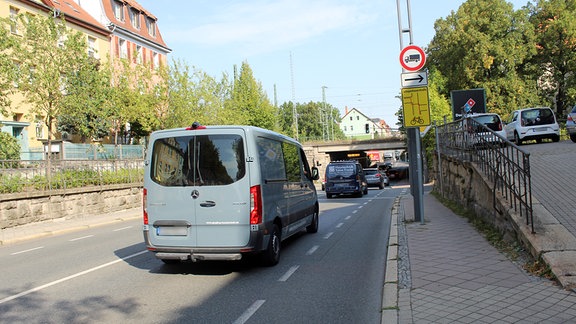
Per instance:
{"type": "Point", "coordinates": [196, 125]}
{"type": "Point", "coordinates": [255, 205]}
{"type": "Point", "coordinates": [144, 205]}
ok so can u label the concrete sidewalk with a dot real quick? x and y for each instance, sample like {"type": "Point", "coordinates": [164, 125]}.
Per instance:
{"type": "Point", "coordinates": [447, 272]}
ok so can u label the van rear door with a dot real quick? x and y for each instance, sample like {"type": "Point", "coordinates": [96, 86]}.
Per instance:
{"type": "Point", "coordinates": [199, 193]}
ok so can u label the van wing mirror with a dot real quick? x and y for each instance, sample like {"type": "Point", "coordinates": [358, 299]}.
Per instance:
{"type": "Point", "coordinates": [315, 174]}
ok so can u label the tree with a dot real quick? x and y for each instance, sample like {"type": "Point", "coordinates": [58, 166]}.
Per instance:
{"type": "Point", "coordinates": [86, 106]}
{"type": "Point", "coordinates": [316, 121]}
{"type": "Point", "coordinates": [555, 28]}
{"type": "Point", "coordinates": [48, 54]}
{"type": "Point", "coordinates": [486, 44]}
{"type": "Point", "coordinates": [249, 101]}
{"type": "Point", "coordinates": [7, 66]}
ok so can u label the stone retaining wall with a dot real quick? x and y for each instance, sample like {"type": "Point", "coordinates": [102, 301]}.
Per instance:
{"type": "Point", "coordinates": [462, 183]}
{"type": "Point", "coordinates": [24, 208]}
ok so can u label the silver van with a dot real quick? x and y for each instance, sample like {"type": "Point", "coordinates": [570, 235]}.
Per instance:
{"type": "Point", "coordinates": [222, 192]}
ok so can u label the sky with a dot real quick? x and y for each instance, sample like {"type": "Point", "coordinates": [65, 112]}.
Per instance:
{"type": "Point", "coordinates": [299, 50]}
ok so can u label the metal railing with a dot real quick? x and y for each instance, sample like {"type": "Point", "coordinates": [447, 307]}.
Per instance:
{"type": "Point", "coordinates": [505, 164]}
{"type": "Point", "coordinates": [19, 176]}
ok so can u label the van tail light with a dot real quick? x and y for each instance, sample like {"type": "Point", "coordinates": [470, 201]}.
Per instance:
{"type": "Point", "coordinates": [255, 205]}
{"type": "Point", "coordinates": [499, 126]}
{"type": "Point", "coordinates": [145, 206]}
{"type": "Point", "coordinates": [570, 118]}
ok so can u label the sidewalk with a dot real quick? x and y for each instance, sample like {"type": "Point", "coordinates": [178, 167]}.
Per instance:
{"type": "Point", "coordinates": [62, 225]}
{"type": "Point", "coordinates": [447, 272]}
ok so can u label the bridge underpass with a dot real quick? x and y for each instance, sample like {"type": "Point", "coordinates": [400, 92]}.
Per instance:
{"type": "Point", "coordinates": [321, 153]}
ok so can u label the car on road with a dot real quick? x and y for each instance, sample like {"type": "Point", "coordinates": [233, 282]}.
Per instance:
{"type": "Point", "coordinates": [345, 177]}
{"type": "Point", "coordinates": [375, 178]}
{"type": "Point", "coordinates": [571, 124]}
{"type": "Point", "coordinates": [532, 124]}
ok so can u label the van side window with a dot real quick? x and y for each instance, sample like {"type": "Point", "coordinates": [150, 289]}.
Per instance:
{"type": "Point", "coordinates": [292, 161]}
{"type": "Point", "coordinates": [198, 161]}
{"type": "Point", "coordinates": [271, 159]}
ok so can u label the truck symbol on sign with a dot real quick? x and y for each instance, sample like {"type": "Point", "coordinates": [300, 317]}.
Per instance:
{"type": "Point", "coordinates": [412, 58]}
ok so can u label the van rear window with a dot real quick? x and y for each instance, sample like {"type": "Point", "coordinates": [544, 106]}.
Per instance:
{"type": "Point", "coordinates": [341, 171]}
{"type": "Point", "coordinates": [205, 160]}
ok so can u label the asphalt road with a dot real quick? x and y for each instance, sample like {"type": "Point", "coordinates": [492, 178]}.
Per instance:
{"type": "Point", "coordinates": [104, 274]}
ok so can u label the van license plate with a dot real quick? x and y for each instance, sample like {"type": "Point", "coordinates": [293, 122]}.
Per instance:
{"type": "Point", "coordinates": [171, 231]}
{"type": "Point", "coordinates": [541, 129]}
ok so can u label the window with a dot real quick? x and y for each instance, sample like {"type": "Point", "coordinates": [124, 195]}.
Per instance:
{"type": "Point", "coordinates": [357, 117]}
{"type": "Point", "coordinates": [350, 117]}
{"type": "Point", "coordinates": [139, 54]}
{"type": "Point", "coordinates": [91, 46]}
{"type": "Point", "coordinates": [123, 47]}
{"type": "Point", "coordinates": [271, 159]}
{"type": "Point", "coordinates": [118, 8]}
{"type": "Point", "coordinates": [156, 60]}
{"type": "Point", "coordinates": [135, 18]}
{"type": "Point", "coordinates": [14, 20]}
{"type": "Point", "coordinates": [206, 160]}
{"type": "Point", "coordinates": [151, 26]}
{"type": "Point", "coordinates": [39, 127]}
{"type": "Point", "coordinates": [292, 161]}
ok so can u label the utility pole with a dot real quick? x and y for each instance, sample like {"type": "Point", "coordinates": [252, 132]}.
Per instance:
{"type": "Point", "coordinates": [325, 129]}
{"type": "Point", "coordinates": [294, 110]}
{"type": "Point", "coordinates": [413, 133]}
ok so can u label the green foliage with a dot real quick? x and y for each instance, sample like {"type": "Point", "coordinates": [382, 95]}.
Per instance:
{"type": "Point", "coordinates": [249, 101]}
{"type": "Point", "coordinates": [44, 68]}
{"type": "Point", "coordinates": [486, 44]}
{"type": "Point", "coordinates": [555, 61]}
{"type": "Point", "coordinates": [316, 121]}
{"type": "Point", "coordinates": [7, 67]}
{"type": "Point", "coordinates": [9, 147]}
{"type": "Point", "coordinates": [71, 178]}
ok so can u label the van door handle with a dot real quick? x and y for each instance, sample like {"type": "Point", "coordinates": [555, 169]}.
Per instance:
{"type": "Point", "coordinates": [208, 203]}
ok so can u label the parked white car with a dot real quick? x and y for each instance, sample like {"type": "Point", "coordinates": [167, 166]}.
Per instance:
{"type": "Point", "coordinates": [532, 124]}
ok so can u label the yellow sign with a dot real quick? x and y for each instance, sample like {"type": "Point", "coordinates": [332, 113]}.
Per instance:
{"type": "Point", "coordinates": [416, 107]}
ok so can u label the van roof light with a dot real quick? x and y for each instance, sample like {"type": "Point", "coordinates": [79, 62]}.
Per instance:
{"type": "Point", "coordinates": [196, 125]}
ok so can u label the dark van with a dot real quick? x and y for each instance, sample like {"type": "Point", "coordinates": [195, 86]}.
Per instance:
{"type": "Point", "coordinates": [345, 177]}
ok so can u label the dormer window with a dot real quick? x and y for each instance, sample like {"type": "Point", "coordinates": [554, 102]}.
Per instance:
{"type": "Point", "coordinates": [135, 18]}
{"type": "Point", "coordinates": [151, 26]}
{"type": "Point", "coordinates": [118, 8]}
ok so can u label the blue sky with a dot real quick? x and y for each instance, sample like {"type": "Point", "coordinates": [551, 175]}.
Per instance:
{"type": "Point", "coordinates": [299, 46]}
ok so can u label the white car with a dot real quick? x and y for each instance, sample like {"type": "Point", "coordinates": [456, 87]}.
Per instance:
{"type": "Point", "coordinates": [532, 124]}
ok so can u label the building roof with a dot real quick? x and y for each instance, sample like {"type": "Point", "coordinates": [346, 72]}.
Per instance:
{"type": "Point", "coordinates": [126, 25]}
{"type": "Point", "coordinates": [73, 13]}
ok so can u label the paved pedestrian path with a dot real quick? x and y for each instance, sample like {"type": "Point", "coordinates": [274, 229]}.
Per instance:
{"type": "Point", "coordinates": [449, 273]}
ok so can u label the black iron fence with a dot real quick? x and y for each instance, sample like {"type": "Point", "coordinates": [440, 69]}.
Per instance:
{"type": "Point", "coordinates": [506, 165]}
{"type": "Point", "coordinates": [18, 176]}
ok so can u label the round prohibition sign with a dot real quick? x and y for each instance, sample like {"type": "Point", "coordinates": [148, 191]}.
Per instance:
{"type": "Point", "coordinates": [412, 58]}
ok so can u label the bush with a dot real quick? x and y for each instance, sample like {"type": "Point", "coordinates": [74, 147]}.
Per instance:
{"type": "Point", "coordinates": [9, 147]}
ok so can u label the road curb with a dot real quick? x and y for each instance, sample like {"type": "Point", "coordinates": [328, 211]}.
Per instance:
{"type": "Point", "coordinates": [390, 290]}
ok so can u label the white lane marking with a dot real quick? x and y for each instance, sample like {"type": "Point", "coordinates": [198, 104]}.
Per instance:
{"type": "Point", "coordinates": [354, 211]}
{"type": "Point", "coordinates": [80, 238]}
{"type": "Point", "coordinates": [348, 217]}
{"type": "Point", "coordinates": [36, 248]}
{"type": "Point", "coordinates": [123, 228]}
{"type": "Point", "coordinates": [289, 273]}
{"type": "Point", "coordinates": [339, 225]}
{"type": "Point", "coordinates": [249, 312]}
{"type": "Point", "coordinates": [312, 250]}
{"type": "Point", "coordinates": [27, 292]}
{"type": "Point", "coordinates": [360, 207]}
{"type": "Point", "coordinates": [327, 236]}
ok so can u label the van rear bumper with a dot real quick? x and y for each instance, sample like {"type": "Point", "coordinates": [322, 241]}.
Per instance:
{"type": "Point", "coordinates": [191, 256]}
{"type": "Point", "coordinates": [188, 253]}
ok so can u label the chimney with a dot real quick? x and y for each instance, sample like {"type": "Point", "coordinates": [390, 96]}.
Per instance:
{"type": "Point", "coordinates": [345, 110]}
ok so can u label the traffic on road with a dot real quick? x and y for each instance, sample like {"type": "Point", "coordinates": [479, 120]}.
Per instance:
{"type": "Point", "coordinates": [105, 274]}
